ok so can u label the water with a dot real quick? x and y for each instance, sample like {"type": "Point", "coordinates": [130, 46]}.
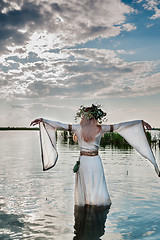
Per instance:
{"type": "Point", "coordinates": [40, 205]}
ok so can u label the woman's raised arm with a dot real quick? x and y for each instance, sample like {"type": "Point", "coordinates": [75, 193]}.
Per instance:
{"type": "Point", "coordinates": [54, 124]}
{"type": "Point", "coordinates": [122, 125]}
{"type": "Point", "coordinates": [36, 121]}
{"type": "Point", "coordinates": [146, 125]}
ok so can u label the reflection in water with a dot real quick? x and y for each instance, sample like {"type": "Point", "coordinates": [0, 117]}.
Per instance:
{"type": "Point", "coordinates": [90, 222]}
{"type": "Point", "coordinates": [39, 205]}
{"type": "Point", "coordinates": [10, 224]}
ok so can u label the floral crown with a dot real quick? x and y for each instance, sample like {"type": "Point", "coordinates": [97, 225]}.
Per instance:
{"type": "Point", "coordinates": [93, 112]}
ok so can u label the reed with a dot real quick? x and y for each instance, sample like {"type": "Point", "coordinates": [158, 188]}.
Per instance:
{"type": "Point", "coordinates": [118, 141]}
{"type": "Point", "coordinates": [114, 139]}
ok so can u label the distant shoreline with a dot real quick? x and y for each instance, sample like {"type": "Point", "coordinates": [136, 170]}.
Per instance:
{"type": "Point", "coordinates": [18, 128]}
{"type": "Point", "coordinates": [36, 128]}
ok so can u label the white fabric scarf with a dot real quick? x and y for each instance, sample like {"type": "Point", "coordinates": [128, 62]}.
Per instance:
{"type": "Point", "coordinates": [48, 146]}
{"type": "Point", "coordinates": [135, 135]}
{"type": "Point", "coordinates": [133, 132]}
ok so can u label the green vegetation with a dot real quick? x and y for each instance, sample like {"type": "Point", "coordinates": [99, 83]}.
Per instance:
{"type": "Point", "coordinates": [157, 129]}
{"type": "Point", "coordinates": [64, 134]}
{"type": "Point", "coordinates": [113, 139]}
{"type": "Point", "coordinates": [117, 140]}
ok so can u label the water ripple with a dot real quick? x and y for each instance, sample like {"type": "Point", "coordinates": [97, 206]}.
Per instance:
{"type": "Point", "coordinates": [40, 205]}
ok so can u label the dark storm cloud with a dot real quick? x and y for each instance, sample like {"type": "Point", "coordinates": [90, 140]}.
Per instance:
{"type": "Point", "coordinates": [3, 5]}
{"type": "Point", "coordinates": [56, 7]}
{"type": "Point", "coordinates": [10, 35]}
{"type": "Point", "coordinates": [29, 13]}
{"type": "Point", "coordinates": [29, 16]}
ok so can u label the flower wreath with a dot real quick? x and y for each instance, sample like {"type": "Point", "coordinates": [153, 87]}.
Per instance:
{"type": "Point", "coordinates": [93, 112]}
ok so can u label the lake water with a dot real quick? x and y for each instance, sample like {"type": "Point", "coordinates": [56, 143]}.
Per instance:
{"type": "Point", "coordinates": [40, 205]}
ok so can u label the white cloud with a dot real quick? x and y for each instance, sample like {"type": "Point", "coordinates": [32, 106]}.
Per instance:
{"type": "Point", "coordinates": [157, 13]}
{"type": "Point", "coordinates": [129, 27]}
{"type": "Point", "coordinates": [43, 25]}
{"type": "Point", "coordinates": [82, 73]}
{"type": "Point", "coordinates": [149, 25]}
{"type": "Point", "coordinates": [151, 5]}
{"type": "Point", "coordinates": [38, 59]}
{"type": "Point", "coordinates": [122, 51]}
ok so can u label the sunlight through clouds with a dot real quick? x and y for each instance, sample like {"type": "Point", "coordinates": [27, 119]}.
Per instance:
{"type": "Point", "coordinates": [78, 50]}
{"type": "Point", "coordinates": [40, 43]}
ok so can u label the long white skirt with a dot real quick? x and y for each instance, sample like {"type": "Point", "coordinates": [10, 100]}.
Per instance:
{"type": "Point", "coordinates": [90, 183]}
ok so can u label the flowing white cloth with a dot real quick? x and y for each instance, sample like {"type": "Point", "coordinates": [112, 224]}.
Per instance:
{"type": "Point", "coordinates": [134, 134]}
{"type": "Point", "coordinates": [90, 183]}
{"type": "Point", "coordinates": [48, 146]}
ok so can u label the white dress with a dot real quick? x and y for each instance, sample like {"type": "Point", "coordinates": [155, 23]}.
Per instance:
{"type": "Point", "coordinates": [90, 183]}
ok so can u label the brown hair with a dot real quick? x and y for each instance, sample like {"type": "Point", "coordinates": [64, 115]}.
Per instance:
{"type": "Point", "coordinates": [90, 129]}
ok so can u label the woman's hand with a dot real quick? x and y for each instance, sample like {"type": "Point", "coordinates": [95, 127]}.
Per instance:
{"type": "Point", "coordinates": [36, 121]}
{"type": "Point", "coordinates": [148, 127]}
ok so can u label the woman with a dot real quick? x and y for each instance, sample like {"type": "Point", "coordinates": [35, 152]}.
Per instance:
{"type": "Point", "coordinates": [90, 184]}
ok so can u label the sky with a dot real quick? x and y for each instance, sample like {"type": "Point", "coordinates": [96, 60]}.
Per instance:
{"type": "Point", "coordinates": [58, 55]}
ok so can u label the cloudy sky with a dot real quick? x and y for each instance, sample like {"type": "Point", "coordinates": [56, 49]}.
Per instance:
{"type": "Point", "coordinates": [57, 55]}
